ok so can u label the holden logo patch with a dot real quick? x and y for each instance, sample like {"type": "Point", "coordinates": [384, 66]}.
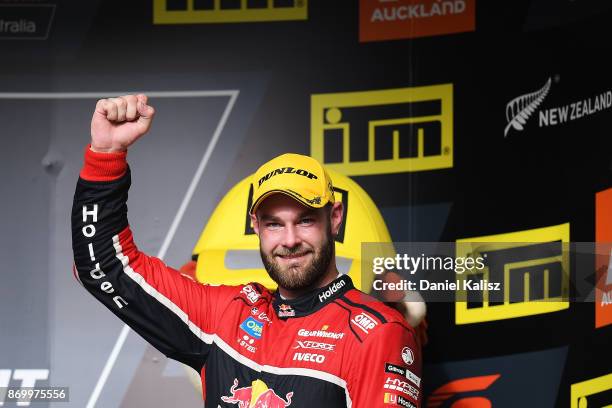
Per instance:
{"type": "Point", "coordinates": [407, 355]}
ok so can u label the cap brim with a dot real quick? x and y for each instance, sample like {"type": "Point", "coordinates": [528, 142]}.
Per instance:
{"type": "Point", "coordinates": [293, 194]}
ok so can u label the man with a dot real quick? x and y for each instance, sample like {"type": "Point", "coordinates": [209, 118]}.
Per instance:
{"type": "Point", "coordinates": [316, 341]}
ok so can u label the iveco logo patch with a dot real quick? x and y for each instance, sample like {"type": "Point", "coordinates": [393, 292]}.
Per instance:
{"type": "Point", "coordinates": [309, 357]}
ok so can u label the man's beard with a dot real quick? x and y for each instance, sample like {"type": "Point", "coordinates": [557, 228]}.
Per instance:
{"type": "Point", "coordinates": [303, 276]}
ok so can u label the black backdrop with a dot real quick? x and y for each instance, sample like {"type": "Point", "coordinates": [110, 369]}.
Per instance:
{"type": "Point", "coordinates": [540, 176]}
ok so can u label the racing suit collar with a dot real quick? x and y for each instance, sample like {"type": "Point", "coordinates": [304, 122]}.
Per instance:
{"type": "Point", "coordinates": [313, 300]}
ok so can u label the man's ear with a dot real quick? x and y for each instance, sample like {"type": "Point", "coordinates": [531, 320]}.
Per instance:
{"type": "Point", "coordinates": [336, 217]}
{"type": "Point", "coordinates": [255, 223]}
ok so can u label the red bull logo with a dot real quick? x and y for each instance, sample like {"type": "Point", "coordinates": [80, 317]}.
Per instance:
{"type": "Point", "coordinates": [257, 395]}
{"type": "Point", "coordinates": [285, 311]}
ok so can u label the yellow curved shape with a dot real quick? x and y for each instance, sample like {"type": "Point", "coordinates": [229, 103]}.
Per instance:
{"type": "Point", "coordinates": [228, 250]}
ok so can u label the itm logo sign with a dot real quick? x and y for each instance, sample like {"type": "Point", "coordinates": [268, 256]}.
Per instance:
{"type": "Point", "coordinates": [592, 393]}
{"type": "Point", "coordinates": [227, 11]}
{"type": "Point", "coordinates": [384, 131]}
{"type": "Point", "coordinates": [532, 267]}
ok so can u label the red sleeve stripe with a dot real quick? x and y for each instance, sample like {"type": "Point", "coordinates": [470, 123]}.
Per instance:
{"type": "Point", "coordinates": [153, 292]}
{"type": "Point", "coordinates": [103, 166]}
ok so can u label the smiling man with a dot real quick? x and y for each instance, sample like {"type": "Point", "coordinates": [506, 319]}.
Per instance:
{"type": "Point", "coordinates": [296, 222]}
{"type": "Point", "coordinates": [316, 341]}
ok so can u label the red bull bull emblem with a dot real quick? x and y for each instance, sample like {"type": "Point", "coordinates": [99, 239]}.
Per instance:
{"type": "Point", "coordinates": [285, 311]}
{"type": "Point", "coordinates": [257, 395]}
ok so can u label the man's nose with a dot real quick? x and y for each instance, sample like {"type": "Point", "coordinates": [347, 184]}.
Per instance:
{"type": "Point", "coordinates": [291, 237]}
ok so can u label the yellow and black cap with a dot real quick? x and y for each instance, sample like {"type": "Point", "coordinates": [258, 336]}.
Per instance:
{"type": "Point", "coordinates": [300, 177]}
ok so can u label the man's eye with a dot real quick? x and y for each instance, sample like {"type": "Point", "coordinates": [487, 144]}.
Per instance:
{"type": "Point", "coordinates": [272, 225]}
{"type": "Point", "coordinates": [306, 221]}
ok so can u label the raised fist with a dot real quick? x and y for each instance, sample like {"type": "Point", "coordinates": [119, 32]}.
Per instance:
{"type": "Point", "coordinates": [119, 122]}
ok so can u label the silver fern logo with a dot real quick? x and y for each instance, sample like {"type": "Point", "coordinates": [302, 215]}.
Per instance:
{"type": "Point", "coordinates": [522, 107]}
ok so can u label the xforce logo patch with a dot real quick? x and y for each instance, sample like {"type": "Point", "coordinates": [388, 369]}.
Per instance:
{"type": "Point", "coordinates": [315, 345]}
{"type": "Point", "coordinates": [384, 131]}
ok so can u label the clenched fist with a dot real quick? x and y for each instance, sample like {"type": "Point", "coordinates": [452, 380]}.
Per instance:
{"type": "Point", "coordinates": [119, 122]}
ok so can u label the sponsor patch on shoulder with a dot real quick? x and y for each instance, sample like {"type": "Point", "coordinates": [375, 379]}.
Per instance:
{"type": "Point", "coordinates": [251, 293]}
{"type": "Point", "coordinates": [391, 398]}
{"type": "Point", "coordinates": [364, 322]}
{"type": "Point", "coordinates": [407, 355]}
{"type": "Point", "coordinates": [252, 327]}
{"type": "Point", "coordinates": [403, 372]}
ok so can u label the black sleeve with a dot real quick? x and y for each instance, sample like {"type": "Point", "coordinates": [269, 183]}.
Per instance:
{"type": "Point", "coordinates": [174, 313]}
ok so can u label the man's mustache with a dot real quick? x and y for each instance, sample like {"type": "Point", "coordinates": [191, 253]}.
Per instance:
{"type": "Point", "coordinates": [297, 250]}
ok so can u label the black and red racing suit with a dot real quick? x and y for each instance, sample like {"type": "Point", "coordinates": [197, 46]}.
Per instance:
{"type": "Point", "coordinates": [334, 347]}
